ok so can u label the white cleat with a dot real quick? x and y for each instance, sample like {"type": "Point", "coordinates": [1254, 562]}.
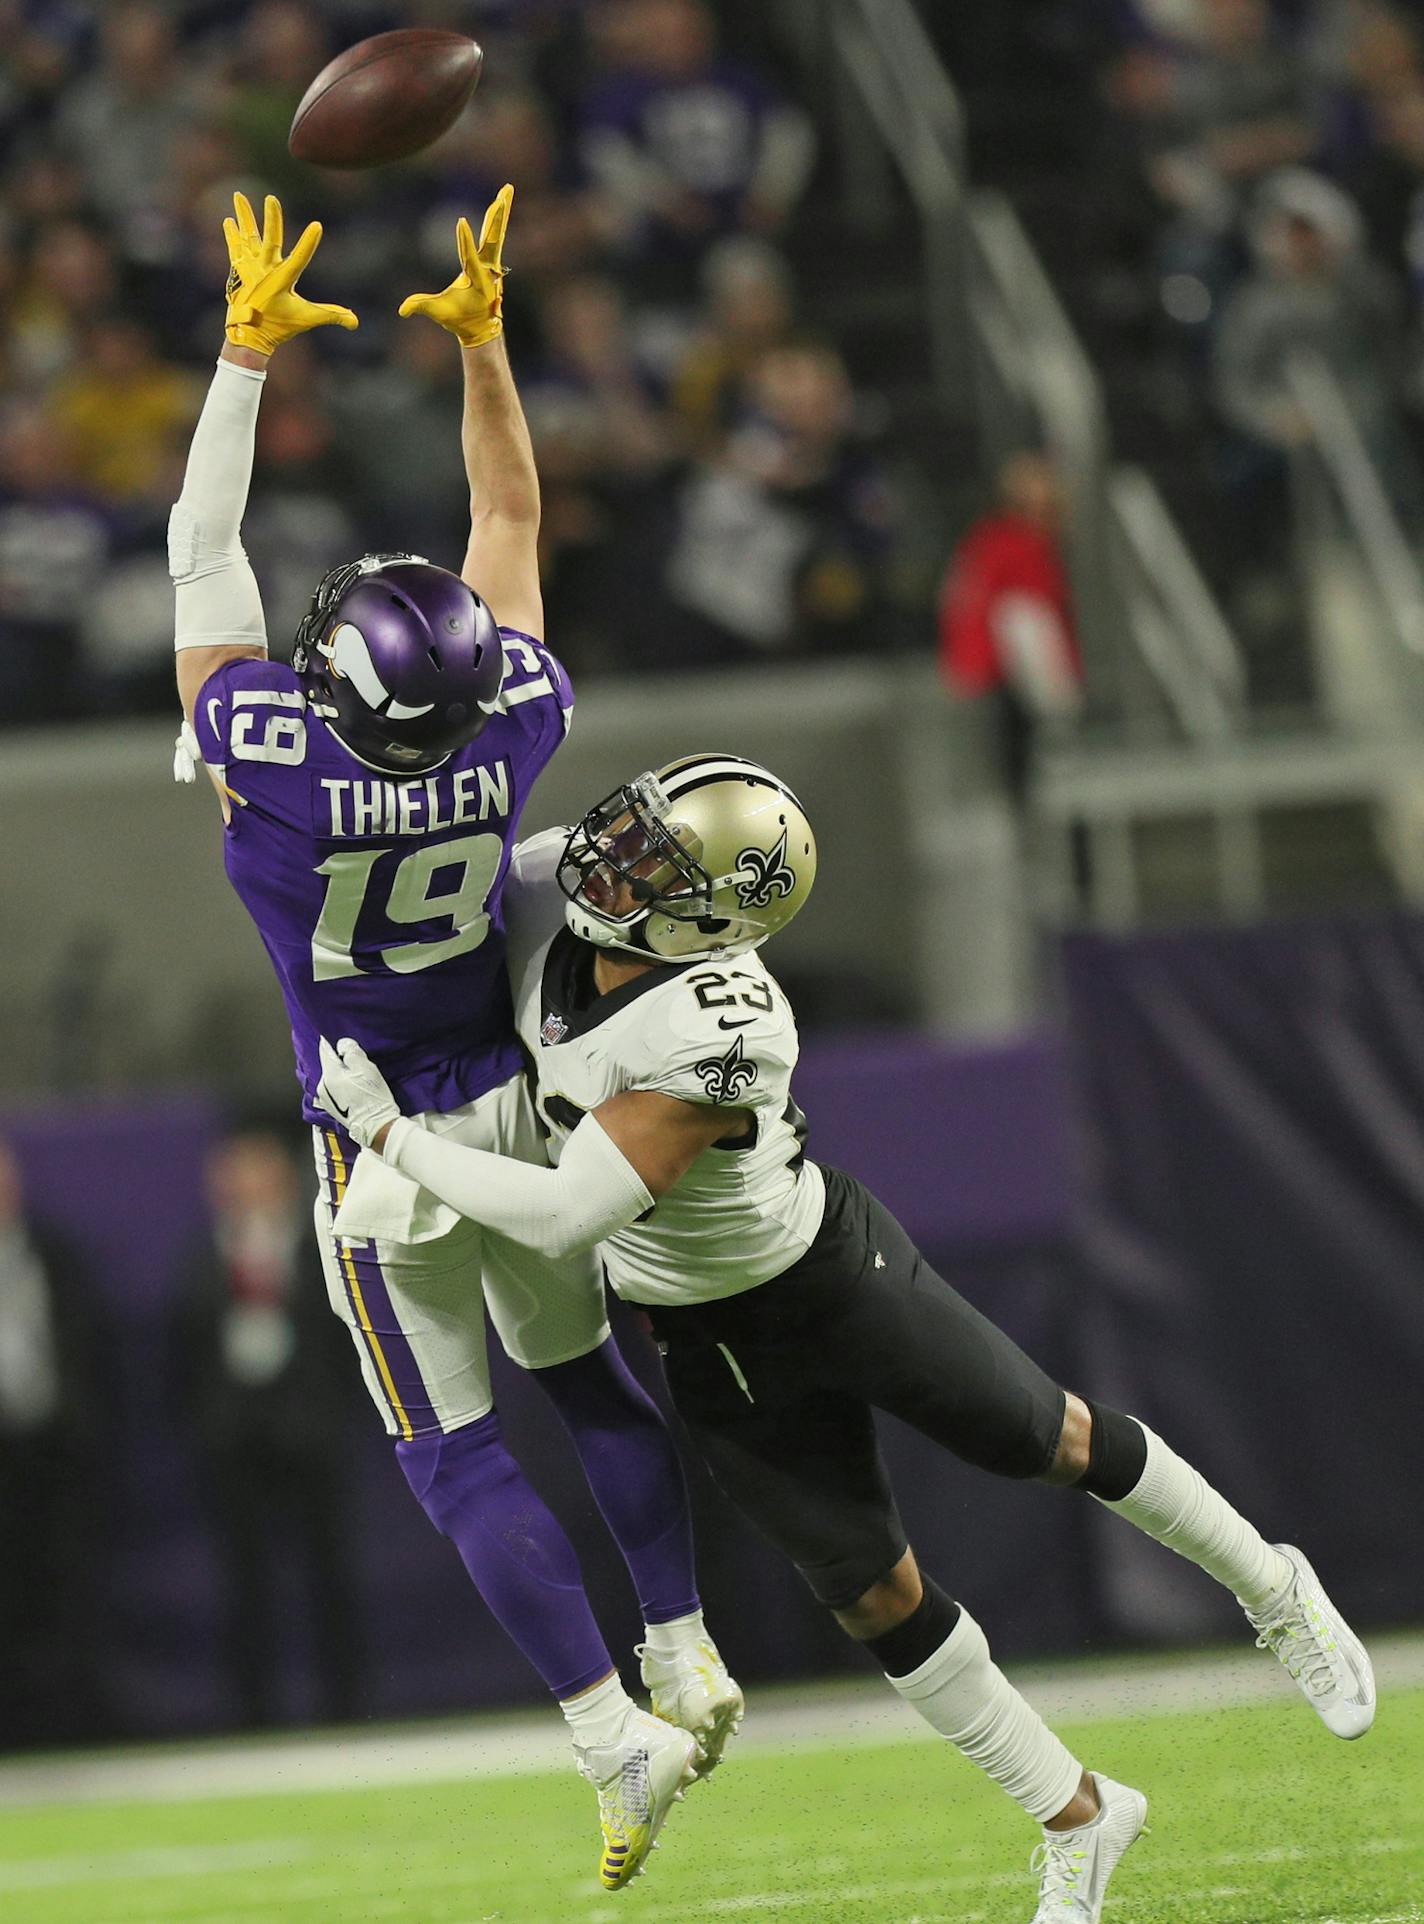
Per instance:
{"type": "Point", "coordinates": [1319, 1649]}
{"type": "Point", "coordinates": [1073, 1866]}
{"type": "Point", "coordinates": [695, 1691]}
{"type": "Point", "coordinates": [638, 1781]}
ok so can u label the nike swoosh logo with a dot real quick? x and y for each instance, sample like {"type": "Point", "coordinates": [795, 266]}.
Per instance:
{"type": "Point", "coordinates": [214, 701]}
{"type": "Point", "coordinates": [730, 1022]}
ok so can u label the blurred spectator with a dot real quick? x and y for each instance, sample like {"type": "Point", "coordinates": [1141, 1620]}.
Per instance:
{"type": "Point", "coordinates": [262, 1376]}
{"type": "Point", "coordinates": [46, 186]}
{"type": "Point", "coordinates": [510, 136]}
{"type": "Point", "coordinates": [591, 365]}
{"type": "Point", "coordinates": [71, 280]}
{"type": "Point", "coordinates": [124, 410]}
{"type": "Point", "coordinates": [1241, 105]}
{"type": "Point", "coordinates": [398, 436]}
{"type": "Point", "coordinates": [781, 537]}
{"type": "Point", "coordinates": [55, 1416]}
{"type": "Point", "coordinates": [300, 522]}
{"type": "Point", "coordinates": [43, 41]}
{"type": "Point", "coordinates": [684, 145]}
{"type": "Point", "coordinates": [1006, 631]}
{"type": "Point", "coordinates": [1213, 111]}
{"type": "Point", "coordinates": [1377, 140]}
{"type": "Point", "coordinates": [282, 48]}
{"type": "Point", "coordinates": [749, 310]}
{"type": "Point", "coordinates": [55, 542]}
{"type": "Point", "coordinates": [604, 444]}
{"type": "Point", "coordinates": [1313, 292]}
{"type": "Point", "coordinates": [124, 119]}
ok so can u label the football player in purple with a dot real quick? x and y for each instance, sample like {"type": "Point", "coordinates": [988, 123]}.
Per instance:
{"type": "Point", "coordinates": [370, 793]}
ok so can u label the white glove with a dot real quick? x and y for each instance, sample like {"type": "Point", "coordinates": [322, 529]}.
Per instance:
{"type": "Point", "coordinates": [353, 1090]}
{"type": "Point", "coordinates": [186, 754]}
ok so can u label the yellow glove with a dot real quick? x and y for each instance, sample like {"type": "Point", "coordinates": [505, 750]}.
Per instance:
{"type": "Point", "coordinates": [470, 306]}
{"type": "Point", "coordinates": [263, 310]}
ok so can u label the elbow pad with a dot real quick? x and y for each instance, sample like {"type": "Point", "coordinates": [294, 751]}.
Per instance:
{"type": "Point", "coordinates": [217, 596]}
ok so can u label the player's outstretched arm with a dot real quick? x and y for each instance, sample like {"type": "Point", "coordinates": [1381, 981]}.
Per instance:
{"type": "Point", "coordinates": [613, 1168]}
{"type": "Point", "coordinates": [218, 616]}
{"type": "Point", "coordinates": [502, 560]}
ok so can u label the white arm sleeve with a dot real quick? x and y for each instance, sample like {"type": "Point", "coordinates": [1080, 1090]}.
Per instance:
{"type": "Point", "coordinates": [217, 599]}
{"type": "Point", "coordinates": [594, 1191]}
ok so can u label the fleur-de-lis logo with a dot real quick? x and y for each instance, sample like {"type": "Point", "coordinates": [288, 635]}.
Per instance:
{"type": "Point", "coordinates": [727, 1077]}
{"type": "Point", "coordinates": [767, 873]}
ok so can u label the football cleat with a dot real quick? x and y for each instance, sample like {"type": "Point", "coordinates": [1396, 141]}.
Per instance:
{"type": "Point", "coordinates": [1319, 1649]}
{"type": "Point", "coordinates": [638, 1781]}
{"type": "Point", "coordinates": [1073, 1866]}
{"type": "Point", "coordinates": [693, 1690]}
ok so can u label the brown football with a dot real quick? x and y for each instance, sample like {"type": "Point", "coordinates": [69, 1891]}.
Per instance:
{"type": "Point", "coordinates": [385, 98]}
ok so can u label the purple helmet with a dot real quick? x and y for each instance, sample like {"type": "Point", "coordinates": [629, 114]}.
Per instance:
{"type": "Point", "coordinates": [402, 658]}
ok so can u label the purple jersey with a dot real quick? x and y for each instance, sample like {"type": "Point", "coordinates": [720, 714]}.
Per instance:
{"type": "Point", "coordinates": [377, 896]}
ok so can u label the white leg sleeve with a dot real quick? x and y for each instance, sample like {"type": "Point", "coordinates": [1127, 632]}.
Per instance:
{"type": "Point", "coordinates": [1175, 1503]}
{"type": "Point", "coordinates": [962, 1693]}
{"type": "Point", "coordinates": [594, 1191]}
{"type": "Point", "coordinates": [217, 598]}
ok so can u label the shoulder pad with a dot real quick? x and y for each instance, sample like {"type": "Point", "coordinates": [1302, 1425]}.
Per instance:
{"type": "Point", "coordinates": [533, 674]}
{"type": "Point", "coordinates": [725, 1035]}
{"type": "Point", "coordinates": [251, 710]}
{"type": "Point", "coordinates": [535, 858]}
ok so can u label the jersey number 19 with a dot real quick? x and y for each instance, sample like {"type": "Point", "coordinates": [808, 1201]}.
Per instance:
{"type": "Point", "coordinates": [472, 862]}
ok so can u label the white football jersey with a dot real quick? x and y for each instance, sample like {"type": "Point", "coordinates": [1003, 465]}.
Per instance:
{"type": "Point", "coordinates": [707, 1032]}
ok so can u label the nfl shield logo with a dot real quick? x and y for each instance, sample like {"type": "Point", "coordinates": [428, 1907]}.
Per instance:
{"type": "Point", "coordinates": [554, 1030]}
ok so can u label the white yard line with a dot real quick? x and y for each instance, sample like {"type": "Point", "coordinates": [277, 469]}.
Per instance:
{"type": "Point", "coordinates": [786, 1717]}
{"type": "Point", "coordinates": [147, 1861]}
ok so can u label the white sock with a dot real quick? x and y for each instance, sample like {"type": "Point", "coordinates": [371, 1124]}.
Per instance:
{"type": "Point", "coordinates": [962, 1693]}
{"type": "Point", "coordinates": [667, 1639]}
{"type": "Point", "coordinates": [1174, 1503]}
{"type": "Point", "coordinates": [597, 1716]}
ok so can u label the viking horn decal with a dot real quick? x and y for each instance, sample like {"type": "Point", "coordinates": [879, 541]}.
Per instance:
{"type": "Point", "coordinates": [345, 648]}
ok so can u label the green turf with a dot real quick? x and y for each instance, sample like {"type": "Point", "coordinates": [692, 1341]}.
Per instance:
{"type": "Point", "coordinates": [1259, 1817]}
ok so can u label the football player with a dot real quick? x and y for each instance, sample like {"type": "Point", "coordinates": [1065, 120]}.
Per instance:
{"type": "Point", "coordinates": [370, 792]}
{"type": "Point", "coordinates": [787, 1302]}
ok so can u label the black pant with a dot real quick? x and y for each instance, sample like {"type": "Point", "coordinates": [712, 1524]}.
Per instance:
{"type": "Point", "coordinates": [777, 1387]}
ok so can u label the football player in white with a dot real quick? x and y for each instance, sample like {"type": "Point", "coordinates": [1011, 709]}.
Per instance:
{"type": "Point", "coordinates": [787, 1302]}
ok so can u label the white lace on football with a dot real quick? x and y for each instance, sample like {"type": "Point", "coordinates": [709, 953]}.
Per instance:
{"type": "Point", "coordinates": [1058, 1865]}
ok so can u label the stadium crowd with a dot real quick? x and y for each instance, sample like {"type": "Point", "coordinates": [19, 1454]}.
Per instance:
{"type": "Point", "coordinates": [710, 489]}
{"type": "Point", "coordinates": [1257, 196]}
{"type": "Point", "coordinates": [1232, 182]}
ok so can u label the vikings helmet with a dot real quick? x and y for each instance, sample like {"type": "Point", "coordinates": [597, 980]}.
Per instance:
{"type": "Point", "coordinates": [707, 857]}
{"type": "Point", "coordinates": [402, 658]}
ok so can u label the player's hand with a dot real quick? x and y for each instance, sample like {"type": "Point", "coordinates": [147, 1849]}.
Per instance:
{"type": "Point", "coordinates": [263, 307]}
{"type": "Point", "coordinates": [353, 1090]}
{"type": "Point", "coordinates": [470, 306]}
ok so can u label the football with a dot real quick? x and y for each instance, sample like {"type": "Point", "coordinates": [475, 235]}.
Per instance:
{"type": "Point", "coordinates": [385, 98]}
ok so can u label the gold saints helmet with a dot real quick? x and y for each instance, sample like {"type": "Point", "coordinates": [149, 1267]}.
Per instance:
{"type": "Point", "coordinates": [709, 856]}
